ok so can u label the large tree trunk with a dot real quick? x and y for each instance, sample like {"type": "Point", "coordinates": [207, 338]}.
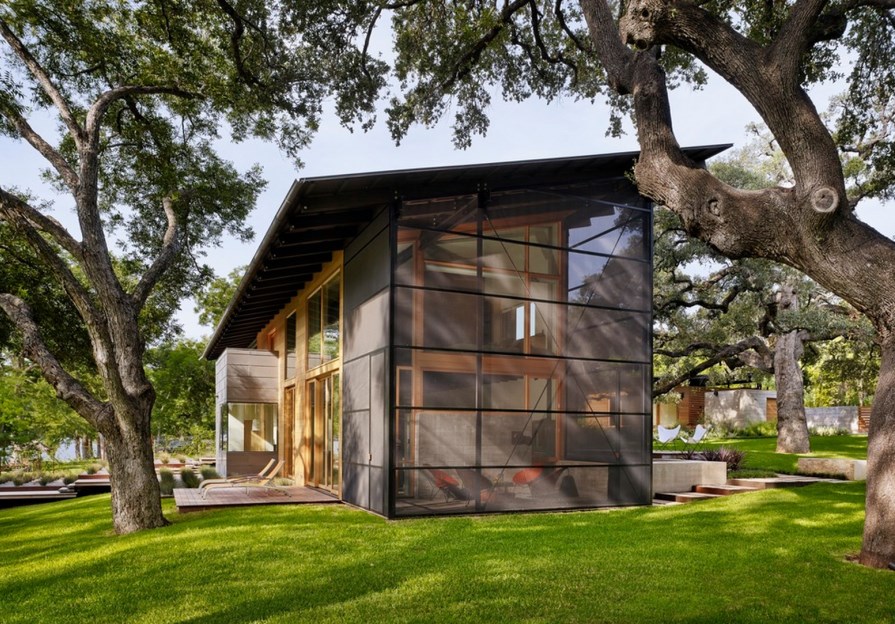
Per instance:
{"type": "Point", "coordinates": [878, 547]}
{"type": "Point", "coordinates": [136, 497]}
{"type": "Point", "coordinates": [792, 426]}
{"type": "Point", "coordinates": [809, 226]}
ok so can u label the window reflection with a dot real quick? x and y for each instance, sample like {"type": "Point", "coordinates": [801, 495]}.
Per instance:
{"type": "Point", "coordinates": [323, 323]}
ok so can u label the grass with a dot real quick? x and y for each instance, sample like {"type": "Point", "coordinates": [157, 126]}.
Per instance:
{"type": "Point", "coordinates": [762, 456]}
{"type": "Point", "coordinates": [771, 556]}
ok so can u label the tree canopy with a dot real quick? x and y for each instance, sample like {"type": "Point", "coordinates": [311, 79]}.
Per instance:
{"type": "Point", "coordinates": [140, 93]}
{"type": "Point", "coordinates": [449, 56]}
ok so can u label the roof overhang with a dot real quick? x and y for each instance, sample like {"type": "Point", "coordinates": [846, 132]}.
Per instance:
{"type": "Point", "coordinates": [322, 215]}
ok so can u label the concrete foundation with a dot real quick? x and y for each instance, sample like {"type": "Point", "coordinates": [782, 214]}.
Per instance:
{"type": "Point", "coordinates": [680, 475]}
{"type": "Point", "coordinates": [851, 469]}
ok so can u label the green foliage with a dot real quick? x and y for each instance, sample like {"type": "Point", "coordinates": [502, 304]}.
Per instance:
{"type": "Point", "coordinates": [208, 472]}
{"type": "Point", "coordinates": [843, 372]}
{"type": "Point", "coordinates": [782, 553]}
{"type": "Point", "coordinates": [190, 479]}
{"type": "Point", "coordinates": [22, 271]}
{"type": "Point", "coordinates": [184, 388]}
{"type": "Point", "coordinates": [732, 457]}
{"type": "Point", "coordinates": [763, 429]}
{"type": "Point", "coordinates": [166, 481]}
{"type": "Point", "coordinates": [212, 301]}
{"type": "Point", "coordinates": [825, 430]}
{"type": "Point", "coordinates": [451, 57]}
{"type": "Point", "coordinates": [32, 420]}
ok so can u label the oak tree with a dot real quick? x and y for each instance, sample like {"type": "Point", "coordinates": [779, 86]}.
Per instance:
{"type": "Point", "coordinates": [136, 93]}
{"type": "Point", "coordinates": [451, 56]}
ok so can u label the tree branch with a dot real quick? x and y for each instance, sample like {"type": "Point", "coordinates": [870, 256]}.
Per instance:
{"type": "Point", "coordinates": [42, 222]}
{"type": "Point", "coordinates": [101, 105]}
{"type": "Point", "coordinates": [468, 60]}
{"type": "Point", "coordinates": [67, 387]}
{"type": "Point", "coordinates": [795, 36]}
{"type": "Point", "coordinates": [667, 384]}
{"type": "Point", "coordinates": [170, 247]}
{"type": "Point", "coordinates": [77, 133]}
{"type": "Point", "coordinates": [10, 212]}
{"type": "Point", "coordinates": [46, 150]}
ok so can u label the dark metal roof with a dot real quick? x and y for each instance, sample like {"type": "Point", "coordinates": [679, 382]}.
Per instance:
{"type": "Point", "coordinates": [322, 215]}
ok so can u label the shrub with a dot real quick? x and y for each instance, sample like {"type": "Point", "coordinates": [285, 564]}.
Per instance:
{"type": "Point", "coordinates": [732, 457]}
{"type": "Point", "coordinates": [48, 477]}
{"type": "Point", "coordinates": [94, 468]}
{"type": "Point", "coordinates": [69, 478]}
{"type": "Point", "coordinates": [189, 478]}
{"type": "Point", "coordinates": [763, 429]}
{"type": "Point", "coordinates": [208, 472]}
{"type": "Point", "coordinates": [21, 477]}
{"type": "Point", "coordinates": [828, 430]}
{"type": "Point", "coordinates": [164, 457]}
{"type": "Point", "coordinates": [166, 481]}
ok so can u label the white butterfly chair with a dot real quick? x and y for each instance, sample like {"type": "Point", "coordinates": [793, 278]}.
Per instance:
{"type": "Point", "coordinates": [695, 441]}
{"type": "Point", "coordinates": [667, 435]}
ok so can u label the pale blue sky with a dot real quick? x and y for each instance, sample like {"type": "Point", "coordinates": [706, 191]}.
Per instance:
{"type": "Point", "coordinates": [518, 131]}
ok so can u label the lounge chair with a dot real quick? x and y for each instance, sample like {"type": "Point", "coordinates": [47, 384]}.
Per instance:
{"type": "Point", "coordinates": [546, 481]}
{"type": "Point", "coordinates": [238, 478]}
{"type": "Point", "coordinates": [448, 485]}
{"type": "Point", "coordinates": [475, 481]}
{"type": "Point", "coordinates": [265, 482]}
{"type": "Point", "coordinates": [666, 435]}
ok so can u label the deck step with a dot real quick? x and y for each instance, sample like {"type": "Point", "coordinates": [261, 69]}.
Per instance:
{"type": "Point", "coordinates": [683, 497]}
{"type": "Point", "coordinates": [661, 502]}
{"type": "Point", "coordinates": [722, 490]}
{"type": "Point", "coordinates": [773, 482]}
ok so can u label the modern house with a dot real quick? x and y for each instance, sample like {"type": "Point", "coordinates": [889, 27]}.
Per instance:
{"type": "Point", "coordinates": [449, 340]}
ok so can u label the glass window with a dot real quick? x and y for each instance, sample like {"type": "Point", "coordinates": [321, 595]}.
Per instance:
{"type": "Point", "coordinates": [315, 329]}
{"type": "Point", "coordinates": [324, 318]}
{"type": "Point", "coordinates": [252, 427]}
{"type": "Point", "coordinates": [291, 330]}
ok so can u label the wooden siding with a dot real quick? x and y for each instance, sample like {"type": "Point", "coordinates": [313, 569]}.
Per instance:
{"type": "Point", "coordinates": [691, 409]}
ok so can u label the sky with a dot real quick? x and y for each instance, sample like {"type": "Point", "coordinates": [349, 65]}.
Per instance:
{"type": "Point", "coordinates": [533, 129]}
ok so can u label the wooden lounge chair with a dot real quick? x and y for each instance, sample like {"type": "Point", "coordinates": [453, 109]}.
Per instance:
{"type": "Point", "coordinates": [265, 482]}
{"type": "Point", "coordinates": [238, 478]}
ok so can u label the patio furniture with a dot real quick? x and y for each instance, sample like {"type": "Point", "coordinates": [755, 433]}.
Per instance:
{"type": "Point", "coordinates": [448, 485]}
{"type": "Point", "coordinates": [666, 435]}
{"type": "Point", "coordinates": [265, 482]}
{"type": "Point", "coordinates": [475, 481]}
{"type": "Point", "coordinates": [238, 478]}
{"type": "Point", "coordinates": [695, 441]}
{"type": "Point", "coordinates": [541, 480]}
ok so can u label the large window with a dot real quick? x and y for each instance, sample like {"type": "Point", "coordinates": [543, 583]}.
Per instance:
{"type": "Point", "coordinates": [522, 353]}
{"type": "Point", "coordinates": [251, 427]}
{"type": "Point", "coordinates": [324, 312]}
{"type": "Point", "coordinates": [290, 346]}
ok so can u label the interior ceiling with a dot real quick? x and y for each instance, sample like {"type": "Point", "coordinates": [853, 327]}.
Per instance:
{"type": "Point", "coordinates": [322, 215]}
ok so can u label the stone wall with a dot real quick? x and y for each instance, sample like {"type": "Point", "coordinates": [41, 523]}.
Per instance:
{"type": "Point", "coordinates": [736, 409]}
{"type": "Point", "coordinates": [840, 417]}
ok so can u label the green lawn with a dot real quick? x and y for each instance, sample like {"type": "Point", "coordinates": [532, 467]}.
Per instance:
{"type": "Point", "coordinates": [761, 454]}
{"type": "Point", "coordinates": [773, 556]}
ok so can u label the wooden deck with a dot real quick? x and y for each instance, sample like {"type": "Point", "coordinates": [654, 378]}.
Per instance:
{"type": "Point", "coordinates": [190, 499]}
